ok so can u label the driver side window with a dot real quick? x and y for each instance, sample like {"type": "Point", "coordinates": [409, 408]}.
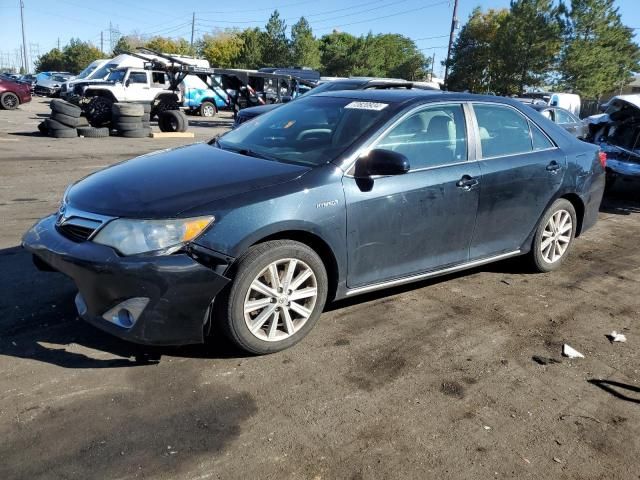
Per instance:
{"type": "Point", "coordinates": [432, 137]}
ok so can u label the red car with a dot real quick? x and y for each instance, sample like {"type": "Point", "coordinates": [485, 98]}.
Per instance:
{"type": "Point", "coordinates": [13, 93]}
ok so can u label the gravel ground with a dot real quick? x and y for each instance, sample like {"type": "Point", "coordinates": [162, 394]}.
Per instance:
{"type": "Point", "coordinates": [433, 380]}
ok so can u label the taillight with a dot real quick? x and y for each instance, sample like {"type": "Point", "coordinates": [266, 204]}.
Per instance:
{"type": "Point", "coordinates": [603, 159]}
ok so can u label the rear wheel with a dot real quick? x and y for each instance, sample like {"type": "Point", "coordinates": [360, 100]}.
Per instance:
{"type": "Point", "coordinates": [9, 101]}
{"type": "Point", "coordinates": [207, 109]}
{"type": "Point", "coordinates": [276, 297]}
{"type": "Point", "coordinates": [554, 236]}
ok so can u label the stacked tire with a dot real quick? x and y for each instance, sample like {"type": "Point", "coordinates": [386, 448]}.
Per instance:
{"type": "Point", "coordinates": [173, 121]}
{"type": "Point", "coordinates": [64, 121]}
{"type": "Point", "coordinates": [130, 120]}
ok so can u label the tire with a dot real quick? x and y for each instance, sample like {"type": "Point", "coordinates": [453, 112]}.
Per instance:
{"type": "Point", "coordinates": [98, 111]}
{"type": "Point", "coordinates": [230, 309]}
{"type": "Point", "coordinates": [146, 117]}
{"type": "Point", "coordinates": [166, 103]}
{"type": "Point", "coordinates": [66, 108]}
{"type": "Point", "coordinates": [67, 120]}
{"type": "Point", "coordinates": [42, 127]}
{"type": "Point", "coordinates": [146, 125]}
{"type": "Point", "coordinates": [146, 106]}
{"type": "Point", "coordinates": [128, 109]}
{"type": "Point", "coordinates": [172, 121]}
{"type": "Point", "coordinates": [550, 248]}
{"type": "Point", "coordinates": [93, 132]}
{"type": "Point", "coordinates": [207, 110]}
{"type": "Point", "coordinates": [9, 101]}
{"type": "Point", "coordinates": [125, 119]}
{"type": "Point", "coordinates": [66, 133]}
{"type": "Point", "coordinates": [139, 133]}
{"type": "Point", "coordinates": [83, 122]}
{"type": "Point", "coordinates": [55, 125]}
{"type": "Point", "coordinates": [126, 127]}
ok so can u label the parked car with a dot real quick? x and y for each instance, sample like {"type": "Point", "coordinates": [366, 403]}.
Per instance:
{"type": "Point", "coordinates": [326, 197]}
{"type": "Point", "coordinates": [200, 98]}
{"type": "Point", "coordinates": [13, 93]}
{"type": "Point", "coordinates": [49, 86]}
{"type": "Point", "coordinates": [617, 132]}
{"type": "Point", "coordinates": [356, 83]}
{"type": "Point", "coordinates": [93, 71]}
{"type": "Point", "coordinates": [29, 78]}
{"type": "Point", "coordinates": [563, 118]}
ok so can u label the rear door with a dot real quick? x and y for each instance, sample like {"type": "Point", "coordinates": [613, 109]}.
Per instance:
{"type": "Point", "coordinates": [521, 172]}
{"type": "Point", "coordinates": [569, 122]}
{"type": "Point", "coordinates": [406, 224]}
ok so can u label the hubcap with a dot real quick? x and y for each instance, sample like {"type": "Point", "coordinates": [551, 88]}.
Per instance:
{"type": "Point", "coordinates": [10, 101]}
{"type": "Point", "coordinates": [208, 111]}
{"type": "Point", "coordinates": [280, 299]}
{"type": "Point", "coordinates": [556, 236]}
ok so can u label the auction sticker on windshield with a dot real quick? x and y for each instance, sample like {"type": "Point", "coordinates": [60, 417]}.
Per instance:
{"type": "Point", "coordinates": [367, 105]}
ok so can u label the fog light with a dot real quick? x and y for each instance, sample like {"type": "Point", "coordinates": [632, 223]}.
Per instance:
{"type": "Point", "coordinates": [126, 313]}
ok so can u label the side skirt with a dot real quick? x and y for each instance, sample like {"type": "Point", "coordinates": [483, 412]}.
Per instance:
{"type": "Point", "coordinates": [435, 273]}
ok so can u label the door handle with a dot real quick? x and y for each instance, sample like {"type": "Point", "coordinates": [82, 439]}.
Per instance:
{"type": "Point", "coordinates": [553, 167]}
{"type": "Point", "coordinates": [467, 182]}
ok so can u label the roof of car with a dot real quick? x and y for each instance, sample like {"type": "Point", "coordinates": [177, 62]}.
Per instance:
{"type": "Point", "coordinates": [400, 95]}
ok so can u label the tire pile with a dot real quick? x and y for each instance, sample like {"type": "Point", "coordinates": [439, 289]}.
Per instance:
{"type": "Point", "coordinates": [131, 120]}
{"type": "Point", "coordinates": [66, 121]}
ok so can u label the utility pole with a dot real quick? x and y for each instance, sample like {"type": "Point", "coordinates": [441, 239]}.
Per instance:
{"type": "Point", "coordinates": [58, 43]}
{"type": "Point", "coordinates": [193, 30]}
{"type": "Point", "coordinates": [24, 40]}
{"type": "Point", "coordinates": [110, 36]}
{"type": "Point", "coordinates": [433, 62]}
{"type": "Point", "coordinates": [454, 24]}
{"type": "Point", "coordinates": [102, 41]}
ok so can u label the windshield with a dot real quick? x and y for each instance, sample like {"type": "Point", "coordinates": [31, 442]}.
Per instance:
{"type": "Point", "coordinates": [87, 71]}
{"type": "Point", "coordinates": [116, 76]}
{"type": "Point", "coordinates": [104, 71]}
{"type": "Point", "coordinates": [311, 131]}
{"type": "Point", "coordinates": [59, 78]}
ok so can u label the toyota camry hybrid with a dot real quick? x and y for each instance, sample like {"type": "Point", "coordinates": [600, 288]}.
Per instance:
{"type": "Point", "coordinates": [324, 198]}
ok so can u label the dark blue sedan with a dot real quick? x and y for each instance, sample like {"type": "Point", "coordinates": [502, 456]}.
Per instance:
{"type": "Point", "coordinates": [327, 197]}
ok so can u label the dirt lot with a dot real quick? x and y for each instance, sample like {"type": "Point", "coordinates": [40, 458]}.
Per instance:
{"type": "Point", "coordinates": [434, 380]}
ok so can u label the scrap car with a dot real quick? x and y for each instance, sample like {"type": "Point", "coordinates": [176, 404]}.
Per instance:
{"type": "Point", "coordinates": [327, 197]}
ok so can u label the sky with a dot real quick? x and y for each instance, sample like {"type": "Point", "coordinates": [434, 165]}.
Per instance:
{"type": "Point", "coordinates": [49, 21]}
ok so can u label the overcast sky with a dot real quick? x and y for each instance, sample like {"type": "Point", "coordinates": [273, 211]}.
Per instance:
{"type": "Point", "coordinates": [46, 21]}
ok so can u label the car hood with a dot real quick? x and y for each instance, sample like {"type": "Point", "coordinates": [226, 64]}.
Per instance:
{"type": "Point", "coordinates": [259, 110]}
{"type": "Point", "coordinates": [164, 184]}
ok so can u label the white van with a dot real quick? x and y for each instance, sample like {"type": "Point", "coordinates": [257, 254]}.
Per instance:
{"type": "Point", "coordinates": [568, 101]}
{"type": "Point", "coordinates": [91, 72]}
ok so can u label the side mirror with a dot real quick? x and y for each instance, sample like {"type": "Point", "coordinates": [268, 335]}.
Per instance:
{"type": "Point", "coordinates": [381, 162]}
{"type": "Point", "coordinates": [127, 83]}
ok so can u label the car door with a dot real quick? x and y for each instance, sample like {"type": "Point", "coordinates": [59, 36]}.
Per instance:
{"type": "Point", "coordinates": [422, 220]}
{"type": "Point", "coordinates": [569, 122]}
{"type": "Point", "coordinates": [521, 172]}
{"type": "Point", "coordinates": [136, 85]}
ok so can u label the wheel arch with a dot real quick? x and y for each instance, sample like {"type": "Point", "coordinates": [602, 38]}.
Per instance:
{"type": "Point", "coordinates": [318, 245]}
{"type": "Point", "coordinates": [578, 205]}
{"type": "Point", "coordinates": [100, 93]}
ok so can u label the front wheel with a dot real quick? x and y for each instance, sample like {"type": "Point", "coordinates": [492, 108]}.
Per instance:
{"type": "Point", "coordinates": [9, 101]}
{"type": "Point", "coordinates": [278, 293]}
{"type": "Point", "coordinates": [207, 109]}
{"type": "Point", "coordinates": [554, 236]}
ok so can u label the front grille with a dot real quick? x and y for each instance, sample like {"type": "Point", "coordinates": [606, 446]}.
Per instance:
{"type": "Point", "coordinates": [76, 233]}
{"type": "Point", "coordinates": [77, 228]}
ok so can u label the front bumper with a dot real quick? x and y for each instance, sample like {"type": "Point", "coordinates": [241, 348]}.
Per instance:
{"type": "Point", "coordinates": [180, 289]}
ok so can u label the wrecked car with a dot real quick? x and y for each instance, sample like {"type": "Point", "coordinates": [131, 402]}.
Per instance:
{"type": "Point", "coordinates": [328, 197]}
{"type": "Point", "coordinates": [617, 132]}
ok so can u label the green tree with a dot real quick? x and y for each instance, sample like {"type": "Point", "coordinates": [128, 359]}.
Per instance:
{"type": "Point", "coordinates": [253, 40]}
{"type": "Point", "coordinates": [221, 49]}
{"type": "Point", "coordinates": [53, 60]}
{"type": "Point", "coordinates": [337, 53]}
{"type": "Point", "coordinates": [305, 51]}
{"type": "Point", "coordinates": [600, 53]}
{"type": "Point", "coordinates": [169, 45]}
{"type": "Point", "coordinates": [123, 46]}
{"type": "Point", "coordinates": [77, 55]}
{"type": "Point", "coordinates": [528, 42]}
{"type": "Point", "coordinates": [276, 50]}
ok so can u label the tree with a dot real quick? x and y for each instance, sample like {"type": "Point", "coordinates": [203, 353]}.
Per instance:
{"type": "Point", "coordinates": [53, 60]}
{"type": "Point", "coordinates": [305, 51]}
{"type": "Point", "coordinates": [253, 40]}
{"type": "Point", "coordinates": [77, 55]}
{"type": "Point", "coordinates": [600, 53]}
{"type": "Point", "coordinates": [528, 42]}
{"type": "Point", "coordinates": [221, 49]}
{"type": "Point", "coordinates": [123, 46]}
{"type": "Point", "coordinates": [337, 53]}
{"type": "Point", "coordinates": [169, 45]}
{"type": "Point", "coordinates": [276, 51]}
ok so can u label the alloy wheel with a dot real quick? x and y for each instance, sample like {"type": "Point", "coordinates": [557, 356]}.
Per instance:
{"type": "Point", "coordinates": [208, 111]}
{"type": "Point", "coordinates": [556, 236]}
{"type": "Point", "coordinates": [280, 299]}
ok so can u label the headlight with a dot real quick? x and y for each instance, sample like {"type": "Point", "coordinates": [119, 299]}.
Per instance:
{"type": "Point", "coordinates": [130, 237]}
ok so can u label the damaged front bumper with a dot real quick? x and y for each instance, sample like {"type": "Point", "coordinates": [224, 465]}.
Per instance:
{"type": "Point", "coordinates": [149, 299]}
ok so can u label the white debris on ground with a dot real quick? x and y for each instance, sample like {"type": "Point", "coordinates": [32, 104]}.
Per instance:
{"type": "Point", "coordinates": [570, 352]}
{"type": "Point", "coordinates": [617, 337]}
